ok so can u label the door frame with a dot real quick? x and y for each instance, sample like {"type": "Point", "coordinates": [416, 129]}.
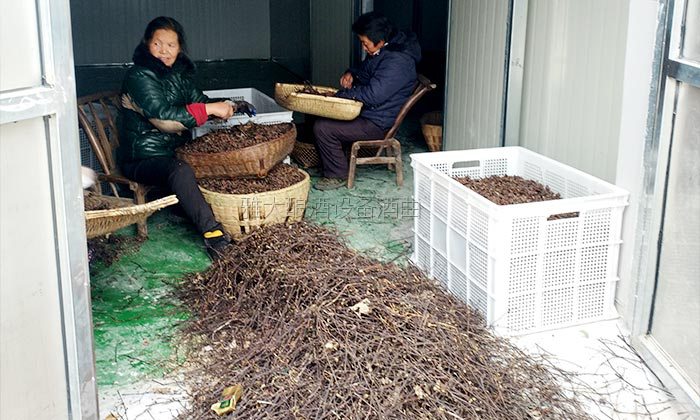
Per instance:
{"type": "Point", "coordinates": [54, 100]}
{"type": "Point", "coordinates": [668, 67]}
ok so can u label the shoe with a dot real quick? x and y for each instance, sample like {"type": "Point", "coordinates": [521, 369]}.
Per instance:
{"type": "Point", "coordinates": [325, 184]}
{"type": "Point", "coordinates": [215, 242]}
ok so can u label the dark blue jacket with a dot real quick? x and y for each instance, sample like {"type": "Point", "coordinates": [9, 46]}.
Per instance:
{"type": "Point", "coordinates": [384, 81]}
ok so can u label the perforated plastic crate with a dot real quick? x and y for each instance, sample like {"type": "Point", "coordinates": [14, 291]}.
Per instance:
{"type": "Point", "coordinates": [268, 112]}
{"type": "Point", "coordinates": [523, 272]}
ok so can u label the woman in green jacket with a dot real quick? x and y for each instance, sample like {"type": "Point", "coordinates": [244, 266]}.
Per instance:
{"type": "Point", "coordinates": [160, 104]}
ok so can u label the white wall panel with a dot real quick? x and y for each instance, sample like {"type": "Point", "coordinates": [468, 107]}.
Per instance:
{"type": "Point", "coordinates": [476, 57]}
{"type": "Point", "coordinates": [19, 17]}
{"type": "Point", "coordinates": [32, 358]}
{"type": "Point", "coordinates": [573, 78]}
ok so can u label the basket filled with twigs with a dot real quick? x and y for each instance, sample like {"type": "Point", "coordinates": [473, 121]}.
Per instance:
{"type": "Point", "coordinates": [305, 154]}
{"type": "Point", "coordinates": [106, 214]}
{"type": "Point", "coordinates": [431, 125]}
{"type": "Point", "coordinates": [243, 150]}
{"type": "Point", "coordinates": [245, 204]}
{"type": "Point", "coordinates": [316, 100]}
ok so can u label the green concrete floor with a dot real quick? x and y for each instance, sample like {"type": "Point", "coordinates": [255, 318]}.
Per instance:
{"type": "Point", "coordinates": [136, 320]}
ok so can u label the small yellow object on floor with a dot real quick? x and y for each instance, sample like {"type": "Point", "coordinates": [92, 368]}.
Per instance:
{"type": "Point", "coordinates": [229, 397]}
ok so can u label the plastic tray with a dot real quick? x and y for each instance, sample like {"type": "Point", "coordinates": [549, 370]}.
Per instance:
{"type": "Point", "coordinates": [268, 112]}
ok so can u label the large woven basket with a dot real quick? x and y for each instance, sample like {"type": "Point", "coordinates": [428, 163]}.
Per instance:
{"type": "Point", "coordinates": [306, 154]}
{"type": "Point", "coordinates": [431, 125]}
{"type": "Point", "coordinates": [242, 213]}
{"type": "Point", "coordinates": [122, 212]}
{"type": "Point", "coordinates": [249, 161]}
{"type": "Point", "coordinates": [288, 96]}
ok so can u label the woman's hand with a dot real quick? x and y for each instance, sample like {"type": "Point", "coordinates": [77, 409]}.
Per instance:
{"type": "Point", "coordinates": [223, 110]}
{"type": "Point", "coordinates": [346, 81]}
{"type": "Point", "coordinates": [245, 108]}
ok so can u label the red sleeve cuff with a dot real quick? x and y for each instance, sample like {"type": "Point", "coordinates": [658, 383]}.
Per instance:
{"type": "Point", "coordinates": [199, 112]}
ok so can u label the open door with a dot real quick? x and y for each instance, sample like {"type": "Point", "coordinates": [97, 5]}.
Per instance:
{"type": "Point", "coordinates": [331, 39]}
{"type": "Point", "coordinates": [47, 368]}
{"type": "Point", "coordinates": [667, 317]}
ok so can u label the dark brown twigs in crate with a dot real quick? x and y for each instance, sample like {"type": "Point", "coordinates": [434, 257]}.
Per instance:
{"type": "Point", "coordinates": [506, 189]}
{"type": "Point", "coordinates": [244, 150]}
{"type": "Point", "coordinates": [314, 330]}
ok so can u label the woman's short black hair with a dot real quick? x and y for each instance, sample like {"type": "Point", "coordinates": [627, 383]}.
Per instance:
{"type": "Point", "coordinates": [374, 26]}
{"type": "Point", "coordinates": [164, 22]}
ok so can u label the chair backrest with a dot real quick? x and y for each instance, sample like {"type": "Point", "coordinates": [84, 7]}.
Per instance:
{"type": "Point", "coordinates": [421, 87]}
{"type": "Point", "coordinates": [97, 117]}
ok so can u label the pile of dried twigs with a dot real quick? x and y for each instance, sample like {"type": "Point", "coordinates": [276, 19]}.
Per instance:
{"type": "Point", "coordinates": [314, 330]}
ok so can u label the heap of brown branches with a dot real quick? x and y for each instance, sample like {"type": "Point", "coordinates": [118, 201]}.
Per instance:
{"type": "Point", "coordinates": [314, 330]}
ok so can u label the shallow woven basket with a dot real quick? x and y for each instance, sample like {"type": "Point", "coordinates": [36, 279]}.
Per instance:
{"type": "Point", "coordinates": [242, 213]}
{"type": "Point", "coordinates": [122, 213]}
{"type": "Point", "coordinates": [287, 95]}
{"type": "Point", "coordinates": [306, 154]}
{"type": "Point", "coordinates": [431, 125]}
{"type": "Point", "coordinates": [254, 160]}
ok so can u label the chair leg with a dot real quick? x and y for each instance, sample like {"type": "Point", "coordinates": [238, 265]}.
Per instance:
{"type": "Point", "coordinates": [399, 163]}
{"type": "Point", "coordinates": [353, 166]}
{"type": "Point", "coordinates": [140, 198]}
{"type": "Point", "coordinates": [389, 152]}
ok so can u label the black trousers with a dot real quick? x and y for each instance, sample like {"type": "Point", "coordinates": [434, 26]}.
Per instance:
{"type": "Point", "coordinates": [179, 177]}
{"type": "Point", "coordinates": [331, 135]}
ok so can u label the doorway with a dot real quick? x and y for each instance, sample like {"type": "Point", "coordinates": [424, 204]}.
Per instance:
{"type": "Point", "coordinates": [429, 21]}
{"type": "Point", "coordinates": [666, 319]}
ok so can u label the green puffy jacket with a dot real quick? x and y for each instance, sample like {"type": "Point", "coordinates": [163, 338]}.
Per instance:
{"type": "Point", "coordinates": [155, 96]}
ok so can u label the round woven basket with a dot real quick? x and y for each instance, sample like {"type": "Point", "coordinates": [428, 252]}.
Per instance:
{"type": "Point", "coordinates": [287, 95]}
{"type": "Point", "coordinates": [254, 160]}
{"type": "Point", "coordinates": [242, 213]}
{"type": "Point", "coordinates": [431, 125]}
{"type": "Point", "coordinates": [305, 154]}
{"type": "Point", "coordinates": [122, 212]}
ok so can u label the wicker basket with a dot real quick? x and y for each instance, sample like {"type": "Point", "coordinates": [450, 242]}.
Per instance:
{"type": "Point", "coordinates": [122, 213]}
{"type": "Point", "coordinates": [306, 154]}
{"type": "Point", "coordinates": [431, 124]}
{"type": "Point", "coordinates": [242, 213]}
{"type": "Point", "coordinates": [288, 96]}
{"type": "Point", "coordinates": [249, 161]}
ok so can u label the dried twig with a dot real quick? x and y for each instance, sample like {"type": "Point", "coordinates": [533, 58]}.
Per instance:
{"type": "Point", "coordinates": [279, 314]}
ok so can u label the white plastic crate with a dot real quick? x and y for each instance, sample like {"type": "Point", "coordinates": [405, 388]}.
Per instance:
{"type": "Point", "coordinates": [268, 112]}
{"type": "Point", "coordinates": [524, 273]}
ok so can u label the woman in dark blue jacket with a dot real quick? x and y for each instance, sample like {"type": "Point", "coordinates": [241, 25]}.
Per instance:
{"type": "Point", "coordinates": [383, 83]}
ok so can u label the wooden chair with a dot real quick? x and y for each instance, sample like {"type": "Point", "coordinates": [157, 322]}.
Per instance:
{"type": "Point", "coordinates": [100, 127]}
{"type": "Point", "coordinates": [389, 143]}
